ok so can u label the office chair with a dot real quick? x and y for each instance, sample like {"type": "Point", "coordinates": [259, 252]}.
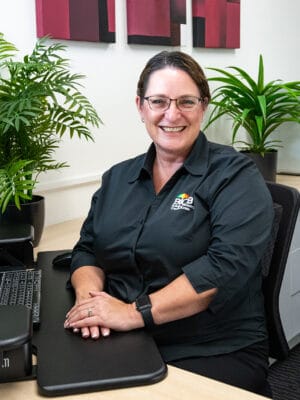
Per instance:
{"type": "Point", "coordinates": [286, 213]}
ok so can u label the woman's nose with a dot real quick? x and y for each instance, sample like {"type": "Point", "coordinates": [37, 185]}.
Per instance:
{"type": "Point", "coordinates": [173, 111]}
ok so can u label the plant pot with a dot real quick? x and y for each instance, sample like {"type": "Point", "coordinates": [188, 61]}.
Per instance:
{"type": "Point", "coordinates": [32, 213]}
{"type": "Point", "coordinates": [267, 164]}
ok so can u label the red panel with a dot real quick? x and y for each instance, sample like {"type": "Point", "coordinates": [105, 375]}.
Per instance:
{"type": "Point", "coordinates": [198, 8]}
{"type": "Point", "coordinates": [53, 18]}
{"type": "Point", "coordinates": [84, 20]}
{"type": "Point", "coordinates": [111, 15]}
{"type": "Point", "coordinates": [233, 25]}
{"type": "Point", "coordinates": [178, 11]}
{"type": "Point", "coordinates": [216, 22]}
{"type": "Point", "coordinates": [145, 17]}
{"type": "Point", "coordinates": [39, 18]}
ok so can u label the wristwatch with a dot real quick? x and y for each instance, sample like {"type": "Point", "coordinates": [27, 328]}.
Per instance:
{"type": "Point", "coordinates": [143, 305]}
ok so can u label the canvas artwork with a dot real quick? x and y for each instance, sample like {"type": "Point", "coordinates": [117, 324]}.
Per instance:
{"type": "Point", "coordinates": [89, 20]}
{"type": "Point", "coordinates": [155, 22]}
{"type": "Point", "coordinates": [216, 23]}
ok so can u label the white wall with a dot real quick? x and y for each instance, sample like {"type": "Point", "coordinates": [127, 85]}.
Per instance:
{"type": "Point", "coordinates": [269, 27]}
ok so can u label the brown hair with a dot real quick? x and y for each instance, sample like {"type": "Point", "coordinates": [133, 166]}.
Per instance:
{"type": "Point", "coordinates": [179, 60]}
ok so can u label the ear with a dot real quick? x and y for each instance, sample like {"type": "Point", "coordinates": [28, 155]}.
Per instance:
{"type": "Point", "coordinates": [139, 105]}
{"type": "Point", "coordinates": [205, 103]}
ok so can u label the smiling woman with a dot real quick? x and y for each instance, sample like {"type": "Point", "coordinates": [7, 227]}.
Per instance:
{"type": "Point", "coordinates": [177, 95]}
{"type": "Point", "coordinates": [172, 242]}
{"type": "Point", "coordinates": [173, 125]}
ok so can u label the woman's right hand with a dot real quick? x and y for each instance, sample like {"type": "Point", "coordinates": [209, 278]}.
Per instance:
{"type": "Point", "coordinates": [91, 331]}
{"type": "Point", "coordinates": [84, 280]}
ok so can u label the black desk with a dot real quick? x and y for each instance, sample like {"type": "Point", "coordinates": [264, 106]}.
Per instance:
{"type": "Point", "coordinates": [69, 364]}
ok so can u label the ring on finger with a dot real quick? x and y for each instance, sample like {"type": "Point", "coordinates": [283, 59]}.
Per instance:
{"type": "Point", "coordinates": [89, 313]}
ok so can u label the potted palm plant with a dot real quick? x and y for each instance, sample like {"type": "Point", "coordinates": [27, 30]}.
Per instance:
{"type": "Point", "coordinates": [40, 101]}
{"type": "Point", "coordinates": [258, 107]}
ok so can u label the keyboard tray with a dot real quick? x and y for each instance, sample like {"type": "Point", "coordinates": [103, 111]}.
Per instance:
{"type": "Point", "coordinates": [69, 364]}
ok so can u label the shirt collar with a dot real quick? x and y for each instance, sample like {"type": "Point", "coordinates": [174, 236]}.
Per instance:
{"type": "Point", "coordinates": [196, 162]}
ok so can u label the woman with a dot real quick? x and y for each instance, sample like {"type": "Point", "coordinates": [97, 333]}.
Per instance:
{"type": "Point", "coordinates": [174, 237]}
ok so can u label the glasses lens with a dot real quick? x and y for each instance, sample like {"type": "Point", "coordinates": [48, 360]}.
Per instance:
{"type": "Point", "coordinates": [187, 102]}
{"type": "Point", "coordinates": [158, 102]}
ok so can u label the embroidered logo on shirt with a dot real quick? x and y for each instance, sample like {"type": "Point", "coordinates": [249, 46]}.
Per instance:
{"type": "Point", "coordinates": [183, 201]}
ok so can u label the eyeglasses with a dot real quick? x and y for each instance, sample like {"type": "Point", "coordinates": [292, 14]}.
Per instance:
{"type": "Point", "coordinates": [183, 103]}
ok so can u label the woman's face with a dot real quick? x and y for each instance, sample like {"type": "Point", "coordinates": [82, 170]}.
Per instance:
{"type": "Point", "coordinates": [173, 131]}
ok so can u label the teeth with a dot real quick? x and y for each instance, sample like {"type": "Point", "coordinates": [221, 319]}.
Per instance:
{"type": "Point", "coordinates": [175, 129]}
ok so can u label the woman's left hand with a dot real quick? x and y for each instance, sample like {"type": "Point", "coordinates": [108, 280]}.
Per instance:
{"type": "Point", "coordinates": [101, 309]}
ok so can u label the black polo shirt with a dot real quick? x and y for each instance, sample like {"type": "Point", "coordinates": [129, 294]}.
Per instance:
{"type": "Point", "coordinates": [211, 221]}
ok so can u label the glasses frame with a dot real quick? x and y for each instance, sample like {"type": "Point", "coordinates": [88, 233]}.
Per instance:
{"type": "Point", "coordinates": [200, 100]}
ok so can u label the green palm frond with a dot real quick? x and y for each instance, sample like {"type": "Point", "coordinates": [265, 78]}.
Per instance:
{"type": "Point", "coordinates": [7, 49]}
{"type": "Point", "coordinates": [16, 183]}
{"type": "Point", "coordinates": [257, 107]}
{"type": "Point", "coordinates": [40, 101]}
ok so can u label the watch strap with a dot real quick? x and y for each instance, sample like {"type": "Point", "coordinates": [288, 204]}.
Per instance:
{"type": "Point", "coordinates": [143, 305]}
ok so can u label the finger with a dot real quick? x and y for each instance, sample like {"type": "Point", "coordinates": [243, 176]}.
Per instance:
{"type": "Point", "coordinates": [105, 331]}
{"type": "Point", "coordinates": [95, 332]}
{"type": "Point", "coordinates": [85, 332]}
{"type": "Point", "coordinates": [84, 315]}
{"type": "Point", "coordinates": [82, 312]}
{"type": "Point", "coordinates": [79, 306]}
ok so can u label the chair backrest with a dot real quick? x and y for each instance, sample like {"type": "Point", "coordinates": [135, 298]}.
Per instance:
{"type": "Point", "coordinates": [289, 199]}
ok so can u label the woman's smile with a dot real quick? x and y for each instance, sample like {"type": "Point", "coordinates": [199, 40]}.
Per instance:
{"type": "Point", "coordinates": [170, 129]}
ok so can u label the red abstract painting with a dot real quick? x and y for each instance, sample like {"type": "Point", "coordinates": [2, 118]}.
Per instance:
{"type": "Point", "coordinates": [155, 22]}
{"type": "Point", "coordinates": [216, 23]}
{"type": "Point", "coordinates": [89, 20]}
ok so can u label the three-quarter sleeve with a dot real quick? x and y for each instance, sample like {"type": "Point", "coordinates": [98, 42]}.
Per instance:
{"type": "Point", "coordinates": [241, 215]}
